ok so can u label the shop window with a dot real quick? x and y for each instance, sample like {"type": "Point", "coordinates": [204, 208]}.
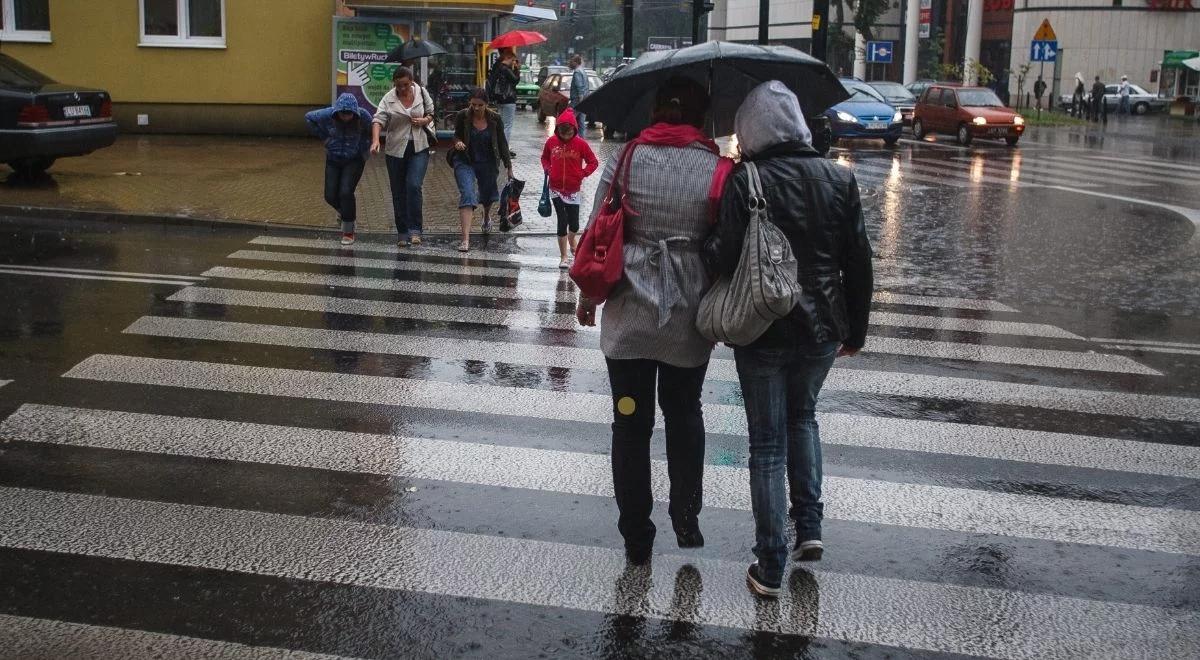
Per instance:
{"type": "Point", "coordinates": [25, 20]}
{"type": "Point", "coordinates": [183, 23]}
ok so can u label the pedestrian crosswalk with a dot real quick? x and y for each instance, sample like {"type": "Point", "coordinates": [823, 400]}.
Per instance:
{"type": "Point", "coordinates": [388, 410]}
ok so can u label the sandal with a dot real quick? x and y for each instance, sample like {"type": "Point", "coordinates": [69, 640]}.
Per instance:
{"type": "Point", "coordinates": [414, 241]}
{"type": "Point", "coordinates": [464, 247]}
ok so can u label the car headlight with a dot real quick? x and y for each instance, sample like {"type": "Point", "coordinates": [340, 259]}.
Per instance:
{"type": "Point", "coordinates": [899, 116]}
{"type": "Point", "coordinates": [979, 121]}
{"type": "Point", "coordinates": [846, 116]}
{"type": "Point", "coordinates": [1018, 120]}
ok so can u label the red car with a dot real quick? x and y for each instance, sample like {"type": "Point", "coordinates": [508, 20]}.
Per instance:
{"type": "Point", "coordinates": [966, 113]}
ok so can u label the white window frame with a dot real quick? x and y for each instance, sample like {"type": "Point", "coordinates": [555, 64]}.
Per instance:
{"type": "Point", "coordinates": [181, 40]}
{"type": "Point", "coordinates": [9, 31]}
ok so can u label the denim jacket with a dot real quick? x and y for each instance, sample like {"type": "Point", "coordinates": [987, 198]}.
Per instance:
{"type": "Point", "coordinates": [343, 141]}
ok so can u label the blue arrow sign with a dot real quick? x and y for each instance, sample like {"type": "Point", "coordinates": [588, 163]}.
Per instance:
{"type": "Point", "coordinates": [1043, 51]}
{"type": "Point", "coordinates": [880, 52]}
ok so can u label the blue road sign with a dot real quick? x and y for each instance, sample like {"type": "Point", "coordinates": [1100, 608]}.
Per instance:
{"type": "Point", "coordinates": [880, 52]}
{"type": "Point", "coordinates": [1043, 51]}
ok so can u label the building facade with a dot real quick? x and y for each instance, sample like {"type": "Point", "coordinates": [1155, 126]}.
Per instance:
{"type": "Point", "coordinates": [236, 66]}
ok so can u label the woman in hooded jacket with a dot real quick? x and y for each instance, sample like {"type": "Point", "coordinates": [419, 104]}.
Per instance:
{"type": "Point", "coordinates": [346, 130]}
{"type": "Point", "coordinates": [816, 205]}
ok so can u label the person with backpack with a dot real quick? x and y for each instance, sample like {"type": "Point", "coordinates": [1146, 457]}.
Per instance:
{"type": "Point", "coordinates": [567, 160]}
{"type": "Point", "coordinates": [346, 130]}
{"type": "Point", "coordinates": [405, 117]}
{"type": "Point", "coordinates": [502, 89]}
{"type": "Point", "coordinates": [648, 334]}
{"type": "Point", "coordinates": [579, 88]}
{"type": "Point", "coordinates": [816, 205]}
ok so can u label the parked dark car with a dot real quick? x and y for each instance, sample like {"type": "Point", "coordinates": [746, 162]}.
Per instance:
{"type": "Point", "coordinates": [556, 93]}
{"type": "Point", "coordinates": [42, 120]}
{"type": "Point", "coordinates": [898, 97]}
{"type": "Point", "coordinates": [966, 113]}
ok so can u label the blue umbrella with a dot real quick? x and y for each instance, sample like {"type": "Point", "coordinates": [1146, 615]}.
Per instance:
{"type": "Point", "coordinates": [728, 70]}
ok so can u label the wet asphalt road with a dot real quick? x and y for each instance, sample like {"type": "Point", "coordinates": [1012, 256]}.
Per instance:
{"type": "Point", "coordinates": [238, 443]}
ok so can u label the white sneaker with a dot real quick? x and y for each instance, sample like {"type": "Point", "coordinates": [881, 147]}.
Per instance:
{"type": "Point", "coordinates": [564, 263]}
{"type": "Point", "coordinates": [347, 239]}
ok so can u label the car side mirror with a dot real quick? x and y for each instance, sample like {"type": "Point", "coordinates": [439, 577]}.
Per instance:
{"type": "Point", "coordinates": [952, 106]}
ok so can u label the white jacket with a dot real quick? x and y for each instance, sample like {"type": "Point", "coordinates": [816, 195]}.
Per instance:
{"type": "Point", "coordinates": [396, 121]}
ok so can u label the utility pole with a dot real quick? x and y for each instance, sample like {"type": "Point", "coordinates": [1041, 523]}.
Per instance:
{"type": "Point", "coordinates": [820, 29]}
{"type": "Point", "coordinates": [764, 21]}
{"type": "Point", "coordinates": [628, 11]}
{"type": "Point", "coordinates": [699, 9]}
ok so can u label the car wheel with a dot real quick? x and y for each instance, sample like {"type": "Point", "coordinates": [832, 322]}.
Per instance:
{"type": "Point", "coordinates": [1141, 108]}
{"type": "Point", "coordinates": [891, 142]}
{"type": "Point", "coordinates": [29, 168]}
{"type": "Point", "coordinates": [964, 135]}
{"type": "Point", "coordinates": [1012, 141]}
{"type": "Point", "coordinates": [918, 129]}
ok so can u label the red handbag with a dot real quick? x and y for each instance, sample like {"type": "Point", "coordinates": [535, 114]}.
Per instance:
{"type": "Point", "coordinates": [600, 258]}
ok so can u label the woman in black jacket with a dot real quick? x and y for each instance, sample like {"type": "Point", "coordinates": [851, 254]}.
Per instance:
{"type": "Point", "coordinates": [817, 206]}
{"type": "Point", "coordinates": [479, 149]}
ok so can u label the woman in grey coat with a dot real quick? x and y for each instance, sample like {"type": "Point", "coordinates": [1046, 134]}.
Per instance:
{"type": "Point", "coordinates": [648, 331]}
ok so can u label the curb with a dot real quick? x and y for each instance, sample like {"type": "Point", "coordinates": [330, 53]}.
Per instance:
{"type": "Point", "coordinates": [50, 213]}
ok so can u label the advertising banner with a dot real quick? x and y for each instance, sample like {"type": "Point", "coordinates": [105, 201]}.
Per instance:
{"type": "Point", "coordinates": [360, 47]}
{"type": "Point", "coordinates": [926, 19]}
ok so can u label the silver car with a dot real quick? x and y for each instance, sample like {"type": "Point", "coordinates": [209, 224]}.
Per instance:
{"type": "Point", "coordinates": [1140, 101]}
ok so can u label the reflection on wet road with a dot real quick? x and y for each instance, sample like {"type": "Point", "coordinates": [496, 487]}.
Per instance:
{"type": "Point", "coordinates": [223, 443]}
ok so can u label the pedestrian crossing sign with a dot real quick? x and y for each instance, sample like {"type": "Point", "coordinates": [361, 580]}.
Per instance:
{"type": "Point", "coordinates": [1045, 32]}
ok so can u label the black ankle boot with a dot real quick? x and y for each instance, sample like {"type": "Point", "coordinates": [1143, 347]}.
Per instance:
{"type": "Point", "coordinates": [687, 532]}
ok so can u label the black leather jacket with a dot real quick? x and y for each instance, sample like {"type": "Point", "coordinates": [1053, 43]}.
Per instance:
{"type": "Point", "coordinates": [816, 204]}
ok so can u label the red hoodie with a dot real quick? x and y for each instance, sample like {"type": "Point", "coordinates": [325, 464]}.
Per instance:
{"type": "Point", "coordinates": [568, 162]}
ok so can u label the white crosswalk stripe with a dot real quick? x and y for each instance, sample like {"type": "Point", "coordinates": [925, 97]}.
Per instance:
{"type": "Point", "coordinates": [914, 435]}
{"type": "Point", "coordinates": [263, 540]}
{"type": "Point", "coordinates": [905, 613]}
{"type": "Point", "coordinates": [520, 291]}
{"type": "Point", "coordinates": [875, 382]}
{"type": "Point", "coordinates": [1099, 167]}
{"type": "Point", "coordinates": [554, 321]}
{"type": "Point", "coordinates": [23, 637]}
{"type": "Point", "coordinates": [861, 500]}
{"type": "Point", "coordinates": [1063, 171]}
{"type": "Point", "coordinates": [964, 171]}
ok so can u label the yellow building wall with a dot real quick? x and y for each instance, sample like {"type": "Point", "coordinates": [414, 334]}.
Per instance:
{"type": "Point", "coordinates": [276, 52]}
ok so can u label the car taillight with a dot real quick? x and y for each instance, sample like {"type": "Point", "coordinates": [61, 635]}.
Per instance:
{"type": "Point", "coordinates": [106, 109]}
{"type": "Point", "coordinates": [33, 114]}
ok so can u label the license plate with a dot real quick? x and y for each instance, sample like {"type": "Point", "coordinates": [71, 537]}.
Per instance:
{"type": "Point", "coordinates": [877, 126]}
{"type": "Point", "coordinates": [998, 132]}
{"type": "Point", "coordinates": [73, 111]}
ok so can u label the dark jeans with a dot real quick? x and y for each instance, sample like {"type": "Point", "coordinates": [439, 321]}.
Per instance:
{"type": "Point", "coordinates": [407, 176]}
{"type": "Point", "coordinates": [780, 388]}
{"type": "Point", "coordinates": [341, 178]}
{"type": "Point", "coordinates": [633, 389]}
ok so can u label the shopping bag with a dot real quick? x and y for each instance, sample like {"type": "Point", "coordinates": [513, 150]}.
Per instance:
{"type": "Point", "coordinates": [510, 204]}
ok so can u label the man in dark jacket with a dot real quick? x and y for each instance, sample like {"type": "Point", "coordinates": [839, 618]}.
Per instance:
{"type": "Point", "coordinates": [1097, 99]}
{"type": "Point", "coordinates": [502, 88]}
{"type": "Point", "coordinates": [579, 89]}
{"type": "Point", "coordinates": [1039, 90]}
{"type": "Point", "coordinates": [817, 206]}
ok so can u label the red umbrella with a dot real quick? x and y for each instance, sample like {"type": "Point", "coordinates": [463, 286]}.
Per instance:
{"type": "Point", "coordinates": [517, 38]}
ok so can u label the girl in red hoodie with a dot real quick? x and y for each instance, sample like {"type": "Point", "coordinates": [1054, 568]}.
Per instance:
{"type": "Point", "coordinates": [567, 160]}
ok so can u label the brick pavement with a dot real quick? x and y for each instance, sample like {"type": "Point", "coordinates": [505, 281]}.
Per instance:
{"type": "Point", "coordinates": [267, 180]}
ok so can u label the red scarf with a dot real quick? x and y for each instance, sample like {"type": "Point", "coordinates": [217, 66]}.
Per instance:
{"type": "Point", "coordinates": [677, 135]}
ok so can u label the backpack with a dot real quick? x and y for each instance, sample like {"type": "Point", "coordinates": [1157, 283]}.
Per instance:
{"type": "Point", "coordinates": [765, 286]}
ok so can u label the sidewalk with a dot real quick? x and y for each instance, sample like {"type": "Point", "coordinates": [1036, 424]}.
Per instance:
{"type": "Point", "coordinates": [267, 180]}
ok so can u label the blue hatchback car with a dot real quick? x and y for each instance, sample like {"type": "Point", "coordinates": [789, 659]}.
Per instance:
{"type": "Point", "coordinates": [865, 115]}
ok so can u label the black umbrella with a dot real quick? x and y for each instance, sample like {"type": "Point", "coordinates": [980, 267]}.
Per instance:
{"type": "Point", "coordinates": [728, 70]}
{"type": "Point", "coordinates": [414, 49]}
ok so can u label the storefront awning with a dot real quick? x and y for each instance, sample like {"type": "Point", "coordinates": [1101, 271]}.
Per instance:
{"type": "Point", "coordinates": [1193, 64]}
{"type": "Point", "coordinates": [499, 6]}
{"type": "Point", "coordinates": [527, 15]}
{"type": "Point", "coordinates": [1174, 59]}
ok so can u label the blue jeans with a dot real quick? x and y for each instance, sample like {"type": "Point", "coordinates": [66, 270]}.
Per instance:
{"type": "Point", "coordinates": [341, 178]}
{"type": "Point", "coordinates": [780, 388]}
{"type": "Point", "coordinates": [407, 176]}
{"type": "Point", "coordinates": [1123, 106]}
{"type": "Point", "coordinates": [508, 114]}
{"type": "Point", "coordinates": [476, 183]}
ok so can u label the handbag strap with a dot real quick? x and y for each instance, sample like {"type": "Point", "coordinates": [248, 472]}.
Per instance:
{"type": "Point", "coordinates": [758, 202]}
{"type": "Point", "coordinates": [620, 180]}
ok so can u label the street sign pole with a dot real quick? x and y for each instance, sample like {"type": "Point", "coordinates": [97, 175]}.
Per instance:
{"type": "Point", "coordinates": [1042, 77]}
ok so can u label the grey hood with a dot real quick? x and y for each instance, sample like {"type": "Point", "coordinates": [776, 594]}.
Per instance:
{"type": "Point", "coordinates": [770, 115]}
